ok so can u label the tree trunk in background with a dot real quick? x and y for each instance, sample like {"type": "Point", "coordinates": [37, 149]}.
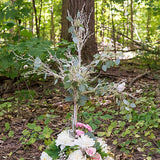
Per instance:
{"type": "Point", "coordinates": [108, 24]}
{"type": "Point", "coordinates": [103, 19]}
{"type": "Point", "coordinates": [39, 20]}
{"type": "Point", "coordinates": [132, 29]}
{"type": "Point", "coordinates": [148, 23]}
{"type": "Point", "coordinates": [127, 21]}
{"type": "Point", "coordinates": [113, 29]}
{"type": "Point", "coordinates": [64, 22]}
{"type": "Point", "coordinates": [12, 29]}
{"type": "Point", "coordinates": [96, 20]}
{"type": "Point", "coordinates": [36, 18]}
{"type": "Point", "coordinates": [73, 6]}
{"type": "Point", "coordinates": [43, 28]}
{"type": "Point", "coordinates": [124, 29]}
{"type": "Point", "coordinates": [31, 23]}
{"type": "Point", "coordinates": [52, 31]}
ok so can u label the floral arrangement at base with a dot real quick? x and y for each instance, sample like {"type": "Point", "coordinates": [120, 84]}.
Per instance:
{"type": "Point", "coordinates": [82, 145]}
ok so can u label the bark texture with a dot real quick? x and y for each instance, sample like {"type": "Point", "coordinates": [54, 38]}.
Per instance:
{"type": "Point", "coordinates": [132, 29]}
{"type": "Point", "coordinates": [52, 31]}
{"type": "Point", "coordinates": [73, 6]}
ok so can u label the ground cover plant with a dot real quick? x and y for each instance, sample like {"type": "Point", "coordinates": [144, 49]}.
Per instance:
{"type": "Point", "coordinates": [138, 139]}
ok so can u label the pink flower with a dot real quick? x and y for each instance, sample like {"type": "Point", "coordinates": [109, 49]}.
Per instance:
{"type": "Point", "coordinates": [88, 127]}
{"type": "Point", "coordinates": [79, 124]}
{"type": "Point", "coordinates": [91, 151]}
{"type": "Point", "coordinates": [97, 156]}
{"type": "Point", "coordinates": [79, 132]}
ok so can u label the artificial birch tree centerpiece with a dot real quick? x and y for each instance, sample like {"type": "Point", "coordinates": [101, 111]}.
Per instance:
{"type": "Point", "coordinates": [75, 76]}
{"type": "Point", "coordinates": [80, 33]}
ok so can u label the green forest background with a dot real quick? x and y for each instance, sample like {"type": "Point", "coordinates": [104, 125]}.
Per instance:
{"type": "Point", "coordinates": [128, 25]}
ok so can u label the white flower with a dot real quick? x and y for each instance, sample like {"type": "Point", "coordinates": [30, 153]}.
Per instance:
{"type": "Point", "coordinates": [76, 155]}
{"type": "Point", "coordinates": [84, 141]}
{"type": "Point", "coordinates": [121, 87]}
{"type": "Point", "coordinates": [64, 139]}
{"type": "Point", "coordinates": [45, 156]}
{"type": "Point", "coordinates": [103, 145]}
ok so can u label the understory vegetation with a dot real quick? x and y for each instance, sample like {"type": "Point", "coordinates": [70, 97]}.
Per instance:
{"type": "Point", "coordinates": [38, 120]}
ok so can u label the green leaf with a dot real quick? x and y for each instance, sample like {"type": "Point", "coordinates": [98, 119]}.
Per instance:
{"type": "Point", "coordinates": [67, 84]}
{"type": "Point", "coordinates": [69, 99]}
{"type": "Point", "coordinates": [149, 158]}
{"type": "Point", "coordinates": [152, 136]}
{"type": "Point", "coordinates": [82, 29]}
{"type": "Point", "coordinates": [122, 123]}
{"type": "Point", "coordinates": [41, 117]}
{"type": "Point", "coordinates": [78, 14]}
{"type": "Point", "coordinates": [31, 141]}
{"type": "Point", "coordinates": [37, 63]}
{"type": "Point", "coordinates": [82, 88]}
{"type": "Point", "coordinates": [117, 62]}
{"type": "Point", "coordinates": [7, 126]}
{"type": "Point", "coordinates": [125, 102]}
{"type": "Point", "coordinates": [90, 119]}
{"type": "Point", "coordinates": [10, 24]}
{"type": "Point", "coordinates": [115, 142]}
{"type": "Point", "coordinates": [37, 128]}
{"type": "Point", "coordinates": [70, 18]}
{"type": "Point", "coordinates": [97, 121]}
{"type": "Point", "coordinates": [96, 62]}
{"type": "Point", "coordinates": [110, 128]}
{"type": "Point", "coordinates": [47, 121]}
{"type": "Point", "coordinates": [41, 136]}
{"type": "Point", "coordinates": [11, 133]}
{"type": "Point", "coordinates": [26, 33]}
{"type": "Point", "coordinates": [25, 132]}
{"type": "Point", "coordinates": [66, 78]}
{"type": "Point", "coordinates": [129, 117]}
{"type": "Point", "coordinates": [104, 67]}
{"type": "Point", "coordinates": [31, 125]}
{"type": "Point", "coordinates": [94, 126]}
{"type": "Point", "coordinates": [148, 144]}
{"type": "Point", "coordinates": [85, 98]}
{"type": "Point", "coordinates": [110, 63]}
{"type": "Point", "coordinates": [105, 117]}
{"type": "Point", "coordinates": [131, 127]}
{"type": "Point", "coordinates": [71, 29]}
{"type": "Point", "coordinates": [56, 81]}
{"type": "Point", "coordinates": [53, 151]}
{"type": "Point", "coordinates": [100, 134]}
{"type": "Point", "coordinates": [47, 132]}
{"type": "Point", "coordinates": [127, 108]}
{"type": "Point", "coordinates": [75, 40]}
{"type": "Point", "coordinates": [126, 132]}
{"type": "Point", "coordinates": [133, 105]}
{"type": "Point", "coordinates": [82, 100]}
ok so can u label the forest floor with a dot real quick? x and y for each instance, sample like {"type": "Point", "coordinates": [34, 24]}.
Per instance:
{"type": "Point", "coordinates": [17, 109]}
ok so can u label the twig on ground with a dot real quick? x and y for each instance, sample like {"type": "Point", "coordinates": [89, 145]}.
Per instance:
{"type": "Point", "coordinates": [138, 77]}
